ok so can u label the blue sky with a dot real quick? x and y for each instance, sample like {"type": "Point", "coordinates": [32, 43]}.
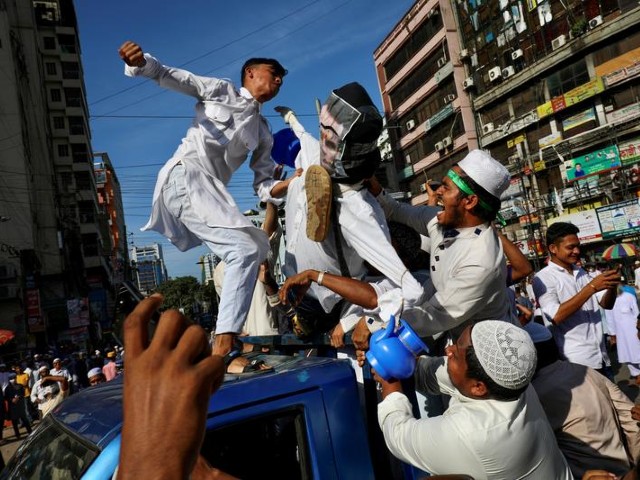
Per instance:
{"type": "Point", "coordinates": [323, 44]}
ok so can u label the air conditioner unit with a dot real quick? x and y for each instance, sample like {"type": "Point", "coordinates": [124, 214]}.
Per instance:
{"type": "Point", "coordinates": [495, 74]}
{"type": "Point", "coordinates": [433, 13]}
{"type": "Point", "coordinates": [447, 141]}
{"type": "Point", "coordinates": [487, 128]}
{"type": "Point", "coordinates": [442, 61]}
{"type": "Point", "coordinates": [507, 72]}
{"type": "Point", "coordinates": [449, 98]}
{"type": "Point", "coordinates": [468, 83]}
{"type": "Point", "coordinates": [464, 54]}
{"type": "Point", "coordinates": [595, 21]}
{"type": "Point", "coordinates": [439, 146]}
{"type": "Point", "coordinates": [558, 42]}
{"type": "Point", "coordinates": [423, 187]}
{"type": "Point", "coordinates": [516, 54]}
{"type": "Point", "coordinates": [411, 124]}
{"type": "Point", "coordinates": [407, 158]}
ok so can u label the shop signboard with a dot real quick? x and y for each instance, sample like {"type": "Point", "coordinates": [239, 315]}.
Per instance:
{"type": "Point", "coordinates": [620, 219]}
{"type": "Point", "coordinates": [550, 139]}
{"type": "Point", "coordinates": [544, 110]}
{"type": "Point", "coordinates": [624, 114]}
{"type": "Point", "coordinates": [595, 162]}
{"type": "Point", "coordinates": [586, 221]}
{"type": "Point", "coordinates": [558, 103]}
{"type": "Point", "coordinates": [78, 311]}
{"type": "Point", "coordinates": [441, 115]}
{"type": "Point", "coordinates": [584, 91]}
{"type": "Point", "coordinates": [578, 119]}
{"type": "Point", "coordinates": [630, 151]}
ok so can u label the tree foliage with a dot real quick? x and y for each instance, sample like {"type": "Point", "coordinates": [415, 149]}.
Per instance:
{"type": "Point", "coordinates": [189, 296]}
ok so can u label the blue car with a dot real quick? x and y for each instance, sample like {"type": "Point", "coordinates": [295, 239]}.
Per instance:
{"type": "Point", "coordinates": [300, 421]}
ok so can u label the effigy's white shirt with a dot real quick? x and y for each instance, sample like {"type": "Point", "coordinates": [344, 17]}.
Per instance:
{"type": "Point", "coordinates": [363, 231]}
{"type": "Point", "coordinates": [227, 126]}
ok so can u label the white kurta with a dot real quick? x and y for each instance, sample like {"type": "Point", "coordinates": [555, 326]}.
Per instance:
{"type": "Point", "coordinates": [227, 126]}
{"type": "Point", "coordinates": [580, 338]}
{"type": "Point", "coordinates": [468, 272]}
{"type": "Point", "coordinates": [363, 229]}
{"type": "Point", "coordinates": [621, 320]}
{"type": "Point", "coordinates": [486, 439]}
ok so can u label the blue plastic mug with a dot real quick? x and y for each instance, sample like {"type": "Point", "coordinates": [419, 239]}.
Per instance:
{"type": "Point", "coordinates": [392, 353]}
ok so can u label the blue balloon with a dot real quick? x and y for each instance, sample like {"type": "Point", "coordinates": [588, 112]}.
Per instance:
{"type": "Point", "coordinates": [285, 147]}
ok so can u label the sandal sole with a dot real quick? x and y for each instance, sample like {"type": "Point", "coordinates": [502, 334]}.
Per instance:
{"type": "Point", "coordinates": [317, 186]}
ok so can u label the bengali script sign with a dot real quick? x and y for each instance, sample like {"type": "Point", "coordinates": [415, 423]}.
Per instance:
{"type": "Point", "coordinates": [624, 114]}
{"type": "Point", "coordinates": [579, 119]}
{"type": "Point", "coordinates": [594, 162]}
{"type": "Point", "coordinates": [629, 151]}
{"type": "Point", "coordinates": [441, 115]}
{"type": "Point", "coordinates": [620, 219]}
{"type": "Point", "coordinates": [584, 91]}
{"type": "Point", "coordinates": [586, 221]}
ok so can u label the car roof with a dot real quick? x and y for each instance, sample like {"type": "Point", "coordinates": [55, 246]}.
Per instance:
{"type": "Point", "coordinates": [96, 412]}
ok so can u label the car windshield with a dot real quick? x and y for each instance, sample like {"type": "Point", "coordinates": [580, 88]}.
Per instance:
{"type": "Point", "coordinates": [50, 453]}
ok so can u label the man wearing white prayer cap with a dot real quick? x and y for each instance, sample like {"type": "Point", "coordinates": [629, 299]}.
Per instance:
{"type": "Point", "coordinates": [494, 427]}
{"type": "Point", "coordinates": [589, 414]}
{"type": "Point", "coordinates": [96, 376]}
{"type": "Point", "coordinates": [467, 267]}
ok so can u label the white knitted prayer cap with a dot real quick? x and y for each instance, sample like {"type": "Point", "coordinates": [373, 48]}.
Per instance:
{"type": "Point", "coordinates": [486, 172]}
{"type": "Point", "coordinates": [505, 352]}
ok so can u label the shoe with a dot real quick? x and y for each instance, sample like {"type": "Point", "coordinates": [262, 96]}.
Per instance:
{"type": "Point", "coordinates": [317, 186]}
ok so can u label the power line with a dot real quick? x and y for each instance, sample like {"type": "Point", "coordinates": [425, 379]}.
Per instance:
{"type": "Point", "coordinates": [148, 97]}
{"type": "Point", "coordinates": [217, 49]}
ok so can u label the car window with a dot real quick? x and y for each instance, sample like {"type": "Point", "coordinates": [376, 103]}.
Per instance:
{"type": "Point", "coordinates": [51, 453]}
{"type": "Point", "coordinates": [271, 446]}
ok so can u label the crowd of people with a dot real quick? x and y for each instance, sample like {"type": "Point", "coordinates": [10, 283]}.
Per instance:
{"type": "Point", "coordinates": [522, 369]}
{"type": "Point", "coordinates": [33, 386]}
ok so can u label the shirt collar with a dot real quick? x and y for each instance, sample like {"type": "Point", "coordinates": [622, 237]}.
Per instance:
{"type": "Point", "coordinates": [560, 268]}
{"type": "Point", "coordinates": [244, 93]}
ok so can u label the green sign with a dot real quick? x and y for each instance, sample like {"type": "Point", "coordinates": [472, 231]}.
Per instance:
{"type": "Point", "coordinates": [592, 163]}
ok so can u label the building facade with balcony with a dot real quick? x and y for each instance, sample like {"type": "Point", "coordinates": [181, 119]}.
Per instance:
{"type": "Point", "coordinates": [429, 118]}
{"type": "Point", "coordinates": [552, 90]}
{"type": "Point", "coordinates": [53, 240]}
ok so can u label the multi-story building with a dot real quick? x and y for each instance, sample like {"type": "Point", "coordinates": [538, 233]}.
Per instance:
{"type": "Point", "coordinates": [149, 267]}
{"type": "Point", "coordinates": [52, 257]}
{"type": "Point", "coordinates": [110, 202]}
{"type": "Point", "coordinates": [208, 262]}
{"type": "Point", "coordinates": [551, 88]}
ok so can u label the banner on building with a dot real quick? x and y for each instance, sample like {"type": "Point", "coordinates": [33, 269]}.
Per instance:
{"type": "Point", "coordinates": [586, 221]}
{"type": "Point", "coordinates": [78, 312]}
{"type": "Point", "coordinates": [578, 119]}
{"type": "Point", "coordinates": [584, 91]}
{"type": "Point", "coordinates": [620, 219]}
{"type": "Point", "coordinates": [624, 114]}
{"type": "Point", "coordinates": [595, 162]}
{"type": "Point", "coordinates": [551, 139]}
{"type": "Point", "coordinates": [630, 151]}
{"type": "Point", "coordinates": [620, 68]}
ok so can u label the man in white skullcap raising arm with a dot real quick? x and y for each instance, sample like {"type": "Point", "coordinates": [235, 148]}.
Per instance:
{"type": "Point", "coordinates": [494, 428]}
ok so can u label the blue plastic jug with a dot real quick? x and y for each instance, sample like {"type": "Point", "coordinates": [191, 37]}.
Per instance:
{"type": "Point", "coordinates": [392, 353]}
